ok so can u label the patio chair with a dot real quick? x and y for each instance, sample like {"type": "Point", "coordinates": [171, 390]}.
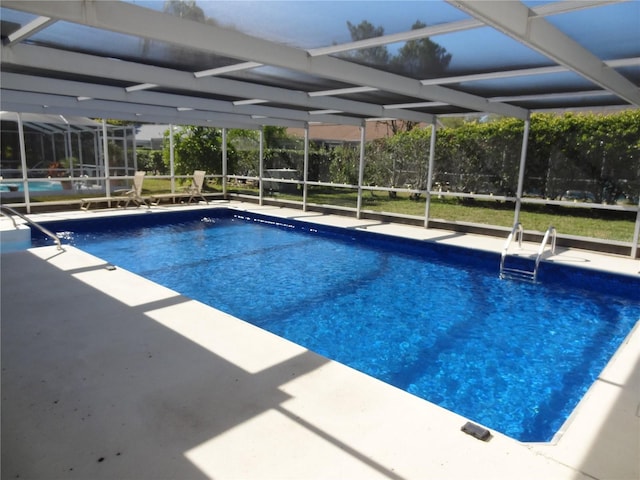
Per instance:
{"type": "Point", "coordinates": [134, 195]}
{"type": "Point", "coordinates": [193, 191]}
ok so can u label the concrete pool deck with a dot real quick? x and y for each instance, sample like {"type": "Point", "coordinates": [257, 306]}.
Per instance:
{"type": "Point", "coordinates": [107, 375]}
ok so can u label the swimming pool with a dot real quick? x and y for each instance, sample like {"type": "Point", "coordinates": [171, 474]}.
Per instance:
{"type": "Point", "coordinates": [433, 320]}
{"type": "Point", "coordinates": [34, 186]}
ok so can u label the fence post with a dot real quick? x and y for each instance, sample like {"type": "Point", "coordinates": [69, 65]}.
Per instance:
{"type": "Point", "coordinates": [172, 160]}
{"type": "Point", "coordinates": [636, 234]}
{"type": "Point", "coordinates": [224, 162]}
{"type": "Point", "coordinates": [105, 152]}
{"type": "Point", "coordinates": [361, 168]}
{"type": "Point", "coordinates": [305, 174]}
{"type": "Point", "coordinates": [432, 156]}
{"type": "Point", "coordinates": [261, 167]}
{"type": "Point", "coordinates": [523, 162]}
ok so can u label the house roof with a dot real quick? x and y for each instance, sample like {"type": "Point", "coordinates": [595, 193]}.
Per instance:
{"type": "Point", "coordinates": [344, 133]}
{"type": "Point", "coordinates": [245, 64]}
{"type": "Point", "coordinates": [47, 123]}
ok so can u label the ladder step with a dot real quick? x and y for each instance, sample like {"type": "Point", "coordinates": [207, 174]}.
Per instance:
{"type": "Point", "coordinates": [517, 274]}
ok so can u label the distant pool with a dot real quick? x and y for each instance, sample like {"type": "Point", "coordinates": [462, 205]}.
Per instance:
{"type": "Point", "coordinates": [43, 186]}
{"type": "Point", "coordinates": [433, 320]}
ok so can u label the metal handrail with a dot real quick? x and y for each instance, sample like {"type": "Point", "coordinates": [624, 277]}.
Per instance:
{"type": "Point", "coordinates": [518, 231]}
{"type": "Point", "coordinates": [46, 231]}
{"type": "Point", "coordinates": [10, 217]}
{"type": "Point", "coordinates": [551, 232]}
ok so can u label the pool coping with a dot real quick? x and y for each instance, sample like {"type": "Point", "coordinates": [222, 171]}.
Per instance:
{"type": "Point", "coordinates": [598, 441]}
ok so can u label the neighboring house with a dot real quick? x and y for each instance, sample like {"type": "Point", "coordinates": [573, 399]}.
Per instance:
{"type": "Point", "coordinates": [150, 136]}
{"type": "Point", "coordinates": [340, 134]}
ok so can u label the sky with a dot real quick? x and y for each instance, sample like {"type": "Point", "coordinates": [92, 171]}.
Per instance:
{"type": "Point", "coordinates": [319, 23]}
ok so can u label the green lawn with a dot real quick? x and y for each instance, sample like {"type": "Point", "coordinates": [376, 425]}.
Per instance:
{"type": "Point", "coordinates": [606, 225]}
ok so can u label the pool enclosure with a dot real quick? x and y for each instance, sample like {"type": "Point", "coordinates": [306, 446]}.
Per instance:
{"type": "Point", "coordinates": [46, 154]}
{"type": "Point", "coordinates": [248, 65]}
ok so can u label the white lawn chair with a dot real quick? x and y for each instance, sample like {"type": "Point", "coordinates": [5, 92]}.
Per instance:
{"type": "Point", "coordinates": [195, 190]}
{"type": "Point", "coordinates": [134, 195]}
{"type": "Point", "coordinates": [192, 192]}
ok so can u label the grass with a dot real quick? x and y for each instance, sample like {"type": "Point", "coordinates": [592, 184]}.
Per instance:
{"type": "Point", "coordinates": [601, 224]}
{"type": "Point", "coordinates": [163, 185]}
{"type": "Point", "coordinates": [149, 187]}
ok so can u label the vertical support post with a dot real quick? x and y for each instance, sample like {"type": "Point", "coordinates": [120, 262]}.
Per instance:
{"type": "Point", "coordinates": [68, 148]}
{"type": "Point", "coordinates": [97, 152]}
{"type": "Point", "coordinates": [80, 156]}
{"type": "Point", "coordinates": [224, 162]}
{"type": "Point", "coordinates": [172, 160]}
{"type": "Point", "coordinates": [261, 167]}
{"type": "Point", "coordinates": [361, 169]}
{"type": "Point", "coordinates": [432, 156]}
{"type": "Point", "coordinates": [54, 154]}
{"type": "Point", "coordinates": [67, 137]}
{"type": "Point", "coordinates": [23, 164]}
{"type": "Point", "coordinates": [636, 235]}
{"type": "Point", "coordinates": [523, 163]}
{"type": "Point", "coordinates": [134, 150]}
{"type": "Point", "coordinates": [305, 177]}
{"type": "Point", "coordinates": [42, 152]}
{"type": "Point", "coordinates": [105, 152]}
{"type": "Point", "coordinates": [124, 149]}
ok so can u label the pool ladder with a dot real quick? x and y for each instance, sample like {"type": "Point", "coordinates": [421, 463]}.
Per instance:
{"type": "Point", "coordinates": [518, 273]}
{"type": "Point", "coordinates": [10, 212]}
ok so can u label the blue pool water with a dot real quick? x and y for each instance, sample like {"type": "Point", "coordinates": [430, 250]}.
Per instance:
{"type": "Point", "coordinates": [43, 186]}
{"type": "Point", "coordinates": [435, 321]}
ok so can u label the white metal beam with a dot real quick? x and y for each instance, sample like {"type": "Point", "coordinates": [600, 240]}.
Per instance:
{"type": "Point", "coordinates": [523, 72]}
{"type": "Point", "coordinates": [112, 108]}
{"type": "Point", "coordinates": [161, 119]}
{"type": "Point", "coordinates": [181, 103]}
{"type": "Point", "coordinates": [416, 34]}
{"type": "Point", "coordinates": [36, 57]}
{"type": "Point", "coordinates": [237, 67]}
{"type": "Point", "coordinates": [552, 96]}
{"type": "Point", "coordinates": [133, 20]}
{"type": "Point", "coordinates": [451, 27]}
{"type": "Point", "coordinates": [556, 8]}
{"type": "Point", "coordinates": [46, 103]}
{"type": "Point", "coordinates": [519, 22]}
{"type": "Point", "coordinates": [29, 29]}
{"type": "Point", "coordinates": [141, 86]}
{"type": "Point", "coordinates": [341, 91]}
{"type": "Point", "coordinates": [414, 105]}
{"type": "Point", "coordinates": [90, 92]}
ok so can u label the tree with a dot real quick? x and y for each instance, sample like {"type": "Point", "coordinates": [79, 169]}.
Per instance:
{"type": "Point", "coordinates": [176, 55]}
{"type": "Point", "coordinates": [344, 165]}
{"type": "Point", "coordinates": [597, 155]}
{"type": "Point", "coordinates": [186, 9]}
{"type": "Point", "coordinates": [422, 58]}
{"type": "Point", "coordinates": [369, 56]}
{"type": "Point", "coordinates": [151, 161]}
{"type": "Point", "coordinates": [275, 137]}
{"type": "Point", "coordinates": [197, 148]}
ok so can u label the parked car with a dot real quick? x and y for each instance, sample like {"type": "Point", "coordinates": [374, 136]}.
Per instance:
{"type": "Point", "coordinates": [625, 199]}
{"type": "Point", "coordinates": [578, 196]}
